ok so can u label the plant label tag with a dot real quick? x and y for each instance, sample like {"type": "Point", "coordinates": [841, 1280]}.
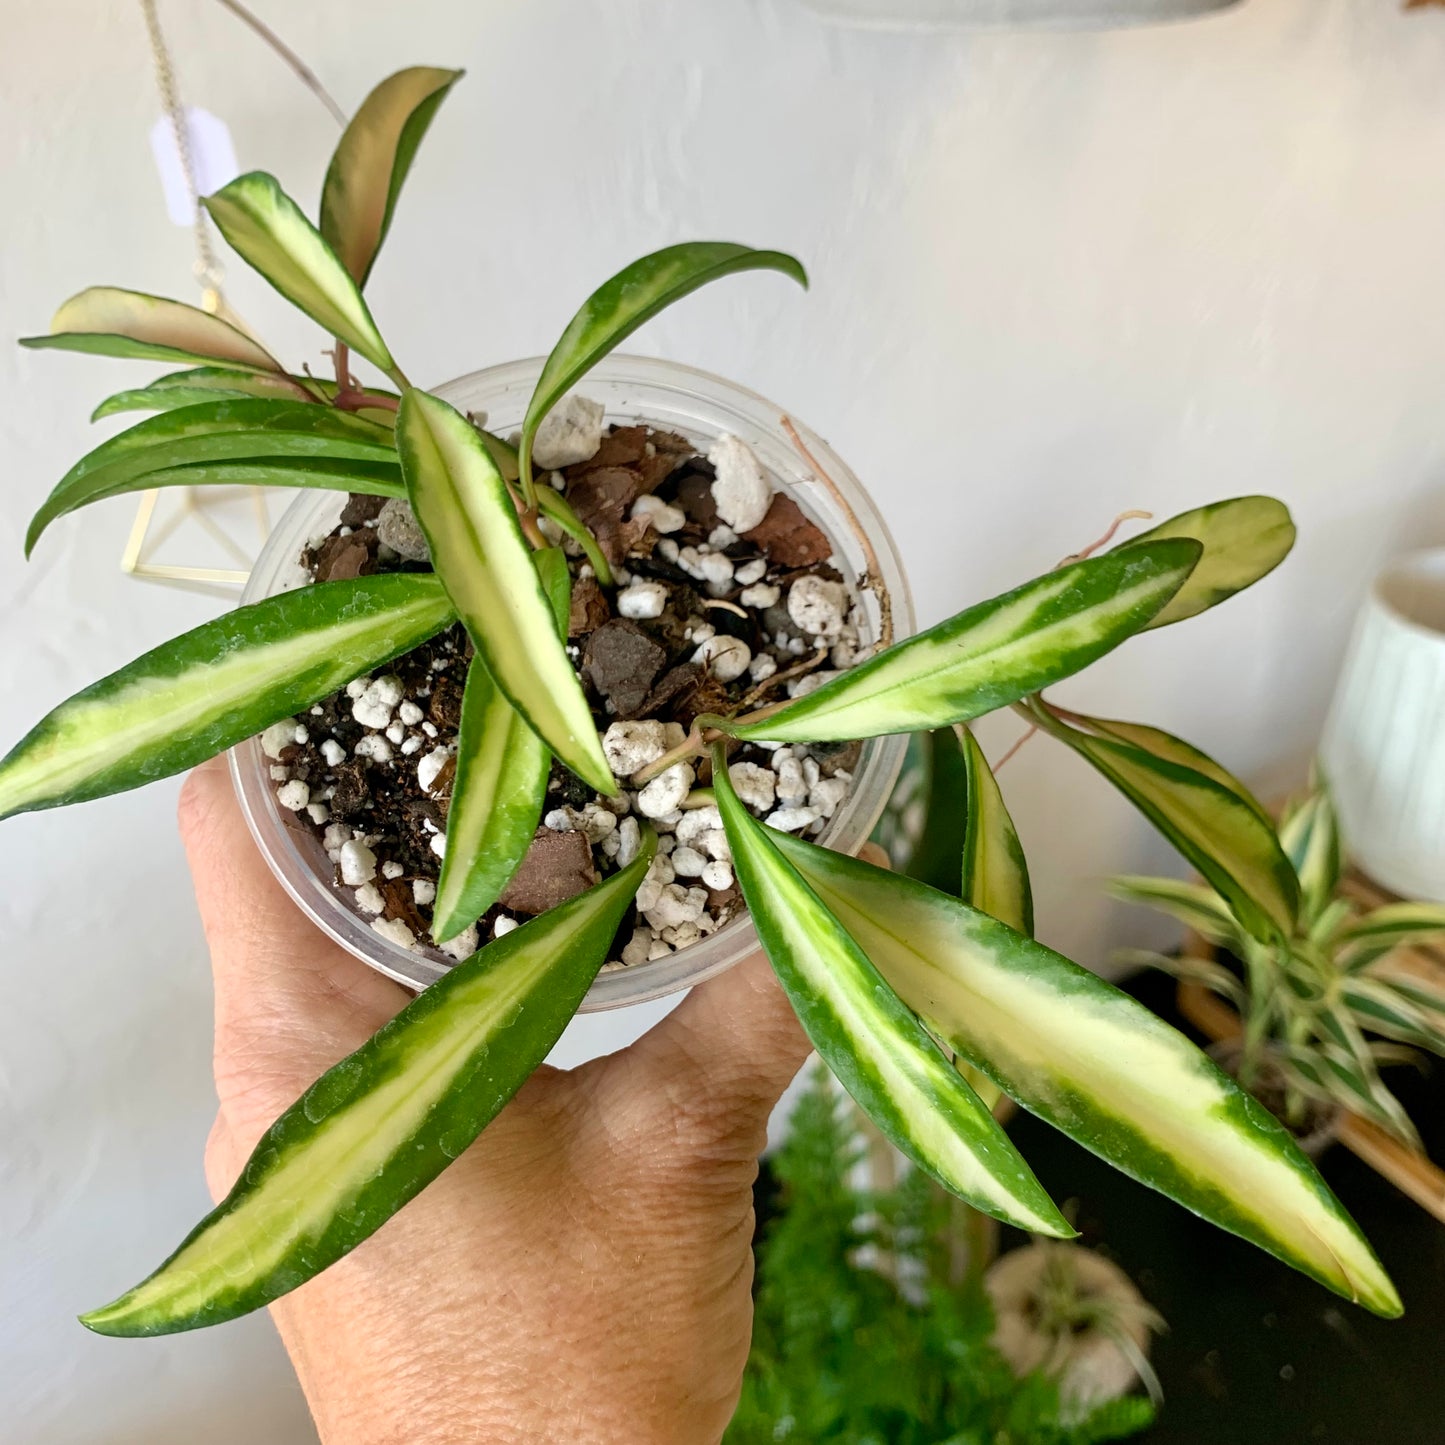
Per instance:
{"type": "Point", "coordinates": [213, 160]}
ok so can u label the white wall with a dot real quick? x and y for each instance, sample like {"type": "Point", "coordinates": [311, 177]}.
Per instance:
{"type": "Point", "coordinates": [1055, 276]}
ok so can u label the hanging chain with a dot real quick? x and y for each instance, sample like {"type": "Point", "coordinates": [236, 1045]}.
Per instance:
{"type": "Point", "coordinates": [207, 268]}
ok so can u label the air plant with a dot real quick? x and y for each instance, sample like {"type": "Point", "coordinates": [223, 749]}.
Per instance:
{"type": "Point", "coordinates": [897, 983]}
{"type": "Point", "coordinates": [1323, 1006]}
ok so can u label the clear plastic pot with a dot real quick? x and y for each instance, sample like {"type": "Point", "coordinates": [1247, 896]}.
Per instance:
{"type": "Point", "coordinates": [633, 389]}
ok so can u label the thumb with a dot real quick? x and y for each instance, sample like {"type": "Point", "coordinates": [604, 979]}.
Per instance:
{"type": "Point", "coordinates": [733, 1043]}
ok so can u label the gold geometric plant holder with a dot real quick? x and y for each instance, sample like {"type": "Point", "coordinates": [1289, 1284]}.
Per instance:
{"type": "Point", "coordinates": [154, 526]}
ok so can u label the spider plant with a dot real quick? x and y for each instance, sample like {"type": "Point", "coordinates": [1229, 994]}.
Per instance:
{"type": "Point", "coordinates": [891, 978]}
{"type": "Point", "coordinates": [1325, 1006]}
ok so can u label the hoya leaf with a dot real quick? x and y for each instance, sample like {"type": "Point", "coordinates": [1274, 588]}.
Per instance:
{"type": "Point", "coordinates": [500, 786]}
{"type": "Point", "coordinates": [620, 305]}
{"type": "Point", "coordinates": [990, 655]}
{"type": "Point", "coordinates": [1227, 840]}
{"type": "Point", "coordinates": [373, 1132]}
{"type": "Point", "coordinates": [478, 550]}
{"type": "Point", "coordinates": [937, 858]}
{"type": "Point", "coordinates": [1198, 908]}
{"type": "Point", "coordinates": [1244, 539]}
{"type": "Point", "coordinates": [107, 321]}
{"type": "Point", "coordinates": [289, 434]}
{"type": "Point", "coordinates": [877, 1049]}
{"type": "Point", "coordinates": [371, 162]}
{"type": "Point", "coordinates": [1171, 749]}
{"type": "Point", "coordinates": [215, 383]}
{"type": "Point", "coordinates": [995, 873]}
{"type": "Point", "coordinates": [270, 233]}
{"type": "Point", "coordinates": [1099, 1066]}
{"type": "Point", "coordinates": [216, 685]}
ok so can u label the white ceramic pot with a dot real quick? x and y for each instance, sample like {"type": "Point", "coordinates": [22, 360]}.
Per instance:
{"type": "Point", "coordinates": [1012, 14]}
{"type": "Point", "coordinates": [1384, 742]}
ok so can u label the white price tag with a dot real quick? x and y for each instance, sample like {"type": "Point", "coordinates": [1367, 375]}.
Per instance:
{"type": "Point", "coordinates": [213, 160]}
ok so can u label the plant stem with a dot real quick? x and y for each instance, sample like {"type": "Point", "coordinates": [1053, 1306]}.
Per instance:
{"type": "Point", "coordinates": [559, 510]}
{"type": "Point", "coordinates": [524, 471]}
{"type": "Point", "coordinates": [689, 747]}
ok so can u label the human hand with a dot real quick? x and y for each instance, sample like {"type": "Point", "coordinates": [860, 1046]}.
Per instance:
{"type": "Point", "coordinates": [582, 1272]}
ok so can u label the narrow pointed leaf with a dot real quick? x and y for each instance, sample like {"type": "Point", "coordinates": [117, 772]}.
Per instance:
{"type": "Point", "coordinates": [261, 431]}
{"type": "Point", "coordinates": [371, 162]}
{"type": "Point", "coordinates": [1384, 1010]}
{"type": "Point", "coordinates": [1222, 836]}
{"type": "Point", "coordinates": [937, 858]}
{"type": "Point", "coordinates": [1357, 1085]}
{"type": "Point", "coordinates": [482, 558]}
{"type": "Point", "coordinates": [1213, 976]}
{"type": "Point", "coordinates": [1098, 1065]}
{"type": "Point", "coordinates": [1244, 539]}
{"type": "Point", "coordinates": [1431, 1001]}
{"type": "Point", "coordinates": [1195, 906]}
{"type": "Point", "coordinates": [373, 1132]}
{"type": "Point", "coordinates": [215, 383]}
{"type": "Point", "coordinates": [500, 787]}
{"type": "Point", "coordinates": [1396, 925]}
{"type": "Point", "coordinates": [995, 873]}
{"type": "Point", "coordinates": [374, 479]}
{"type": "Point", "coordinates": [1172, 750]}
{"type": "Point", "coordinates": [1311, 839]}
{"type": "Point", "coordinates": [877, 1049]}
{"type": "Point", "coordinates": [107, 321]}
{"type": "Point", "coordinates": [989, 655]}
{"type": "Point", "coordinates": [620, 305]}
{"type": "Point", "coordinates": [270, 233]}
{"type": "Point", "coordinates": [216, 685]}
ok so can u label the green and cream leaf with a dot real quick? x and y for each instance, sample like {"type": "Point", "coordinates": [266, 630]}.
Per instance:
{"type": "Point", "coordinates": [1396, 925]}
{"type": "Point", "coordinates": [217, 685]}
{"type": "Point", "coordinates": [990, 655]}
{"type": "Point", "coordinates": [477, 548]}
{"type": "Point", "coordinates": [374, 1131]}
{"type": "Point", "coordinates": [1244, 539]}
{"type": "Point", "coordinates": [634, 295]}
{"type": "Point", "coordinates": [877, 1049]}
{"type": "Point", "coordinates": [1311, 840]}
{"type": "Point", "coordinates": [270, 435]}
{"type": "Point", "coordinates": [1101, 1067]}
{"type": "Point", "coordinates": [1212, 825]}
{"type": "Point", "coordinates": [500, 786]}
{"type": "Point", "coordinates": [268, 231]}
{"type": "Point", "coordinates": [1197, 907]}
{"type": "Point", "coordinates": [995, 872]}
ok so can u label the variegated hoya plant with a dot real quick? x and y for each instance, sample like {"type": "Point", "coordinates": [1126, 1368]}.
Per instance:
{"type": "Point", "coordinates": [919, 998]}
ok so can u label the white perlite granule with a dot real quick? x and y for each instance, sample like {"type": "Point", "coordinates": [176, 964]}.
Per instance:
{"type": "Point", "coordinates": [357, 863]}
{"type": "Point", "coordinates": [570, 433]}
{"type": "Point", "coordinates": [740, 490]}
